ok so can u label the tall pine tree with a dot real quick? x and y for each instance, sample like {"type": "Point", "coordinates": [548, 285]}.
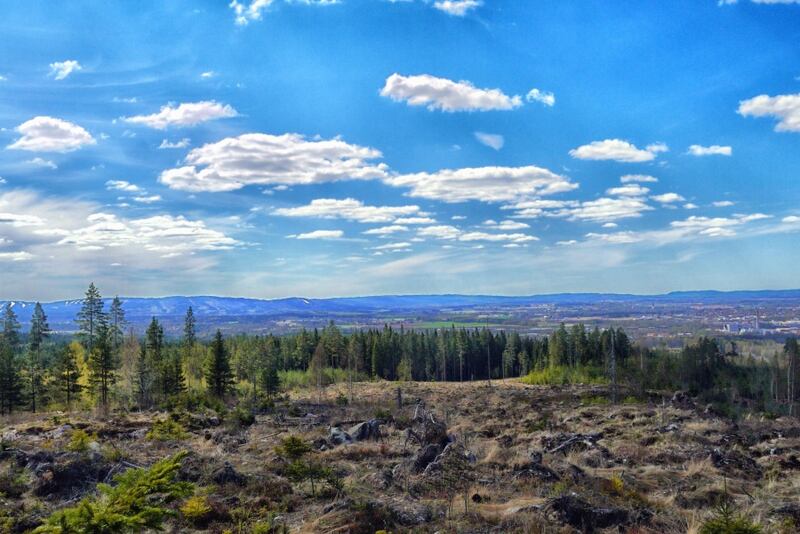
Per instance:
{"type": "Point", "coordinates": [10, 381]}
{"type": "Point", "coordinates": [35, 366]}
{"type": "Point", "coordinates": [116, 323]}
{"type": "Point", "coordinates": [90, 317]}
{"type": "Point", "coordinates": [103, 363]}
{"type": "Point", "coordinates": [11, 328]}
{"type": "Point", "coordinates": [67, 374]}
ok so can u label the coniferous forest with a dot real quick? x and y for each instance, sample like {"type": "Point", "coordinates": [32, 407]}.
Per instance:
{"type": "Point", "coordinates": [107, 365]}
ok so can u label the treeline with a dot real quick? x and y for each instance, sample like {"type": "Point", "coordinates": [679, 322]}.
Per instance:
{"type": "Point", "coordinates": [103, 363]}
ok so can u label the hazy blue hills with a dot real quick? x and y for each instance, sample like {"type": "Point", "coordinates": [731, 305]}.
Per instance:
{"type": "Point", "coordinates": [138, 308]}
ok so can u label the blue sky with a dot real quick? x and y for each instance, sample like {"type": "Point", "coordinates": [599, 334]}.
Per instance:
{"type": "Point", "coordinates": [320, 148]}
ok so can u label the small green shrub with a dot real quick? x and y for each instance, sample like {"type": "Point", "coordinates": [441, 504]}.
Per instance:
{"type": "Point", "coordinates": [342, 400]}
{"type": "Point", "coordinates": [382, 413]}
{"type": "Point", "coordinates": [240, 418]}
{"type": "Point", "coordinates": [167, 430]}
{"type": "Point", "coordinates": [79, 441]}
{"type": "Point", "coordinates": [595, 400]}
{"type": "Point", "coordinates": [13, 483]}
{"type": "Point", "coordinates": [293, 448]}
{"type": "Point", "coordinates": [196, 509]}
{"type": "Point", "coordinates": [136, 503]}
{"type": "Point", "coordinates": [726, 521]}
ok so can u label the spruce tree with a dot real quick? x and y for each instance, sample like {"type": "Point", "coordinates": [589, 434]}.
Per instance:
{"type": "Point", "coordinates": [270, 380]}
{"type": "Point", "coordinates": [189, 329]}
{"type": "Point", "coordinates": [90, 317]}
{"type": "Point", "coordinates": [10, 381]}
{"type": "Point", "coordinates": [35, 367]}
{"type": "Point", "coordinates": [102, 363]}
{"type": "Point", "coordinates": [116, 323]}
{"type": "Point", "coordinates": [67, 374]}
{"type": "Point", "coordinates": [154, 341]}
{"type": "Point", "coordinates": [11, 328]}
{"type": "Point", "coordinates": [219, 378]}
{"type": "Point", "coordinates": [144, 378]}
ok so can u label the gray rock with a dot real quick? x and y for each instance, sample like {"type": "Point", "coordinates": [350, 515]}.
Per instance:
{"type": "Point", "coordinates": [337, 436]}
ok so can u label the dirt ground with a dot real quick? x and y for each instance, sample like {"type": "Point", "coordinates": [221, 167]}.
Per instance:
{"type": "Point", "coordinates": [453, 458]}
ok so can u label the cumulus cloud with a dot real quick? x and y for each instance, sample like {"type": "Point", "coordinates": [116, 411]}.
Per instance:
{"type": "Point", "coordinates": [453, 233]}
{"type": "Point", "coordinates": [15, 256]}
{"type": "Point", "coordinates": [415, 220]}
{"type": "Point", "coordinates": [603, 209]}
{"type": "Point", "coordinates": [185, 114]}
{"type": "Point", "coordinates": [617, 150]}
{"type": "Point", "coordinates": [668, 198]}
{"type": "Point", "coordinates": [349, 209]}
{"type": "Point", "coordinates": [457, 8]}
{"type": "Point", "coordinates": [506, 225]}
{"type": "Point", "coordinates": [487, 184]}
{"type": "Point", "coordinates": [320, 234]}
{"type": "Point", "coordinates": [147, 199]}
{"type": "Point", "coordinates": [446, 95]}
{"type": "Point", "coordinates": [387, 230]}
{"type": "Point", "coordinates": [49, 134]}
{"type": "Point", "coordinates": [784, 108]}
{"type": "Point", "coordinates": [61, 69]}
{"type": "Point", "coordinates": [713, 150]}
{"type": "Point", "coordinates": [183, 143]}
{"type": "Point", "coordinates": [544, 97]}
{"type": "Point", "coordinates": [629, 190]}
{"type": "Point", "coordinates": [263, 159]}
{"type": "Point", "coordinates": [122, 185]}
{"type": "Point", "coordinates": [245, 12]}
{"type": "Point", "coordinates": [494, 141]}
{"type": "Point", "coordinates": [722, 203]}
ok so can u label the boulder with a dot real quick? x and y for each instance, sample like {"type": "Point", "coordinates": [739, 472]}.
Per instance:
{"type": "Point", "coordinates": [66, 475]}
{"type": "Point", "coordinates": [368, 430]}
{"type": "Point", "coordinates": [425, 456]}
{"type": "Point", "coordinates": [228, 475]}
{"type": "Point", "coordinates": [337, 436]}
{"type": "Point", "coordinates": [578, 513]}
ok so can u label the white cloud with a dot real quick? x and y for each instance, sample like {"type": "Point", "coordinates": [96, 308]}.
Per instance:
{"type": "Point", "coordinates": [506, 225]}
{"type": "Point", "coordinates": [263, 159]}
{"type": "Point", "coordinates": [605, 209]}
{"type": "Point", "coordinates": [61, 69]}
{"type": "Point", "coordinates": [690, 206]}
{"type": "Point", "coordinates": [791, 219]}
{"type": "Point", "coordinates": [415, 220]}
{"type": "Point", "coordinates": [48, 134]}
{"type": "Point", "coordinates": [616, 238]}
{"type": "Point", "coordinates": [630, 190]}
{"type": "Point", "coordinates": [147, 199]}
{"type": "Point", "coordinates": [494, 141]}
{"type": "Point", "coordinates": [387, 230]}
{"type": "Point", "coordinates": [125, 100]}
{"type": "Point", "coordinates": [15, 256]}
{"type": "Point", "coordinates": [457, 8]}
{"type": "Point", "coordinates": [452, 233]}
{"type": "Point", "coordinates": [668, 198]}
{"type": "Point", "coordinates": [321, 234]}
{"type": "Point", "coordinates": [3, 78]}
{"type": "Point", "coordinates": [183, 143]}
{"type": "Point", "coordinates": [642, 178]}
{"type": "Point", "coordinates": [41, 162]}
{"type": "Point", "coordinates": [713, 150]}
{"type": "Point", "coordinates": [20, 220]}
{"type": "Point", "coordinates": [785, 108]}
{"type": "Point", "coordinates": [544, 97]}
{"type": "Point", "coordinates": [610, 225]}
{"type": "Point", "coordinates": [122, 185]}
{"type": "Point", "coordinates": [349, 209]}
{"type": "Point", "coordinates": [393, 246]}
{"type": "Point", "coordinates": [722, 203]}
{"type": "Point", "coordinates": [458, 217]}
{"type": "Point", "coordinates": [486, 184]}
{"type": "Point", "coordinates": [617, 150]}
{"type": "Point", "coordinates": [185, 114]}
{"type": "Point", "coordinates": [208, 74]}
{"type": "Point", "coordinates": [446, 95]}
{"type": "Point", "coordinates": [245, 13]}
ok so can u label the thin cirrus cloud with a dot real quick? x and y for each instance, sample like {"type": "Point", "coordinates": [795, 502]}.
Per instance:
{"type": "Point", "coordinates": [263, 159]}
{"type": "Point", "coordinates": [166, 143]}
{"type": "Point", "coordinates": [641, 178]}
{"type": "Point", "coordinates": [452, 233]}
{"type": "Point", "coordinates": [59, 70]}
{"type": "Point", "coordinates": [784, 108]}
{"type": "Point", "coordinates": [457, 8]}
{"type": "Point", "coordinates": [49, 134]}
{"type": "Point", "coordinates": [446, 95]}
{"type": "Point", "coordinates": [713, 150]}
{"type": "Point", "coordinates": [349, 209]}
{"type": "Point", "coordinates": [602, 210]}
{"type": "Point", "coordinates": [185, 114]}
{"type": "Point", "coordinates": [494, 141]}
{"type": "Point", "coordinates": [618, 150]}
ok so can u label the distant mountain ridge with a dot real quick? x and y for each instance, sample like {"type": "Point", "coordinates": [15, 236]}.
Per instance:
{"type": "Point", "coordinates": [139, 308]}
